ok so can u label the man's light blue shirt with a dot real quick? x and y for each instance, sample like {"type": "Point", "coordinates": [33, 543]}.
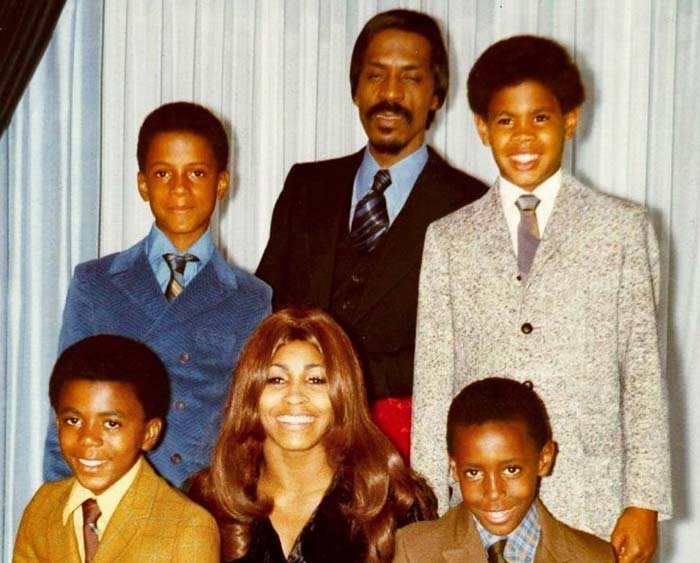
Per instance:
{"type": "Point", "coordinates": [403, 176]}
{"type": "Point", "coordinates": [158, 244]}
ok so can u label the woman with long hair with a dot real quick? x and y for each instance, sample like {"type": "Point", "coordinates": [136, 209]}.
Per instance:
{"type": "Point", "coordinates": [299, 472]}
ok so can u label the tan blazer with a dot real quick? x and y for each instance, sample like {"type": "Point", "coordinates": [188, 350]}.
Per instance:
{"type": "Point", "coordinates": [454, 538]}
{"type": "Point", "coordinates": [582, 329]}
{"type": "Point", "coordinates": [153, 522]}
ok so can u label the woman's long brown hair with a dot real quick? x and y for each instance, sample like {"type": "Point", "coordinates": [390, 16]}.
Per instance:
{"type": "Point", "coordinates": [382, 488]}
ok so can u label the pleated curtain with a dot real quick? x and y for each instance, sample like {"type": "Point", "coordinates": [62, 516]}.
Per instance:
{"type": "Point", "coordinates": [276, 72]}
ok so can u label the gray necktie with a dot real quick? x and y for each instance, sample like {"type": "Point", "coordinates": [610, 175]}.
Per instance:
{"type": "Point", "coordinates": [528, 233]}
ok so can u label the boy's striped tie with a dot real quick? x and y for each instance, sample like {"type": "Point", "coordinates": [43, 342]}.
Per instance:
{"type": "Point", "coordinates": [176, 263]}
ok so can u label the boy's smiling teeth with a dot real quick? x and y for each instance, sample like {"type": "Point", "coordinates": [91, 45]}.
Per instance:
{"type": "Point", "coordinates": [498, 516]}
{"type": "Point", "coordinates": [91, 462]}
{"type": "Point", "coordinates": [524, 158]}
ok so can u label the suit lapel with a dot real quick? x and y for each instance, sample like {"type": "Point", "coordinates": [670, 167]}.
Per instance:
{"type": "Point", "coordinates": [492, 228]}
{"type": "Point", "coordinates": [124, 527]}
{"type": "Point", "coordinates": [553, 547]}
{"type": "Point", "coordinates": [398, 253]}
{"type": "Point", "coordinates": [568, 218]}
{"type": "Point", "coordinates": [466, 544]}
{"type": "Point", "coordinates": [132, 274]}
{"type": "Point", "coordinates": [212, 285]}
{"type": "Point", "coordinates": [62, 541]}
{"type": "Point", "coordinates": [329, 212]}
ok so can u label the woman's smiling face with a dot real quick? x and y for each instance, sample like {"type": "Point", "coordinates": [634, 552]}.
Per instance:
{"type": "Point", "coordinates": [295, 407]}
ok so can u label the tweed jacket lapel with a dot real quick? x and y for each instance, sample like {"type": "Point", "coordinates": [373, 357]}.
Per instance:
{"type": "Point", "coordinates": [329, 214]}
{"type": "Point", "coordinates": [63, 544]}
{"type": "Point", "coordinates": [568, 217]}
{"type": "Point", "coordinates": [496, 248]}
{"type": "Point", "coordinates": [125, 524]}
{"type": "Point", "coordinates": [131, 273]}
{"type": "Point", "coordinates": [406, 234]}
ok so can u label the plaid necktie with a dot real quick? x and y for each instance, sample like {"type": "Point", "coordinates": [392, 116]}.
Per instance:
{"type": "Point", "coordinates": [495, 552]}
{"type": "Point", "coordinates": [91, 512]}
{"type": "Point", "coordinates": [528, 233]}
{"type": "Point", "coordinates": [176, 263]}
{"type": "Point", "coordinates": [371, 219]}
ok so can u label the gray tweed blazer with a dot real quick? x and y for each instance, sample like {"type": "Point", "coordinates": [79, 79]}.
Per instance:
{"type": "Point", "coordinates": [583, 329]}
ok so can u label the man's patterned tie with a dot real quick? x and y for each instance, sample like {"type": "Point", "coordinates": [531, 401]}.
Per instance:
{"type": "Point", "coordinates": [371, 219]}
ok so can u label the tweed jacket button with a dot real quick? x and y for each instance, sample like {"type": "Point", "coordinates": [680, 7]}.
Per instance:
{"type": "Point", "coordinates": [357, 279]}
{"type": "Point", "coordinates": [346, 305]}
{"type": "Point", "coordinates": [526, 328]}
{"type": "Point", "coordinates": [176, 458]}
{"type": "Point", "coordinates": [184, 358]}
{"type": "Point", "coordinates": [179, 405]}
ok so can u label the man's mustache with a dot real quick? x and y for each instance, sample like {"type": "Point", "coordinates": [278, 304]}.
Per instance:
{"type": "Point", "coordinates": [389, 107]}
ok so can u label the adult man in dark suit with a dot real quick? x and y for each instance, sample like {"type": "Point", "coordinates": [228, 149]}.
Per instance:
{"type": "Point", "coordinates": [347, 234]}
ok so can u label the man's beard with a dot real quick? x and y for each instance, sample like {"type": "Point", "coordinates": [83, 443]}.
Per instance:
{"type": "Point", "coordinates": [389, 146]}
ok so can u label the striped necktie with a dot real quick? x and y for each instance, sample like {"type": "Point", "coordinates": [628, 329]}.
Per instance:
{"type": "Point", "coordinates": [176, 263]}
{"type": "Point", "coordinates": [528, 233]}
{"type": "Point", "coordinates": [371, 219]}
{"type": "Point", "coordinates": [91, 512]}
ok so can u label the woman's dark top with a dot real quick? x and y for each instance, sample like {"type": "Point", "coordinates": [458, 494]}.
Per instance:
{"type": "Point", "coordinates": [326, 537]}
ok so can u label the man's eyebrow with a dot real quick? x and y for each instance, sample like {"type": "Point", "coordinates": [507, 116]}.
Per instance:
{"type": "Point", "coordinates": [408, 66]}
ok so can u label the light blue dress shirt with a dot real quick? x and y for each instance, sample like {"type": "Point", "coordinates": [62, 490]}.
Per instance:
{"type": "Point", "coordinates": [403, 176]}
{"type": "Point", "coordinates": [158, 244]}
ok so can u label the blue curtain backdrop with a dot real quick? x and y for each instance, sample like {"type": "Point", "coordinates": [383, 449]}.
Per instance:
{"type": "Point", "coordinates": [49, 194]}
{"type": "Point", "coordinates": [276, 71]}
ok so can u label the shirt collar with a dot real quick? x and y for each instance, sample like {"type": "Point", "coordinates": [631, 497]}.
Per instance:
{"type": "Point", "coordinates": [158, 244]}
{"type": "Point", "coordinates": [522, 542]}
{"type": "Point", "coordinates": [403, 174]}
{"type": "Point", "coordinates": [107, 500]}
{"type": "Point", "coordinates": [546, 192]}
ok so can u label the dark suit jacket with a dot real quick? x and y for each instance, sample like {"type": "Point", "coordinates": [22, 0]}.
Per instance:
{"type": "Point", "coordinates": [454, 538]}
{"type": "Point", "coordinates": [198, 336]}
{"type": "Point", "coordinates": [152, 522]}
{"type": "Point", "coordinates": [311, 213]}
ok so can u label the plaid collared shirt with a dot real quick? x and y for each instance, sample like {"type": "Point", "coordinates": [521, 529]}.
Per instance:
{"type": "Point", "coordinates": [522, 542]}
